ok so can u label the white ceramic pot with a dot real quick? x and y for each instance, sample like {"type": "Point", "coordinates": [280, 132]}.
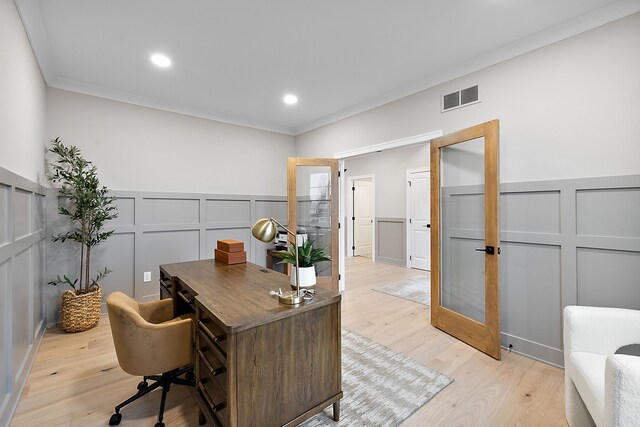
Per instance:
{"type": "Point", "coordinates": [307, 277]}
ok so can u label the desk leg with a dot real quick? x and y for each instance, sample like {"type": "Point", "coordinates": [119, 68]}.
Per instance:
{"type": "Point", "coordinates": [201, 420]}
{"type": "Point", "coordinates": [336, 411]}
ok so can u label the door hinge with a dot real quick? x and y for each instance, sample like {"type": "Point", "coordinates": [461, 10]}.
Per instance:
{"type": "Point", "coordinates": [339, 174]}
{"type": "Point", "coordinates": [353, 248]}
{"type": "Point", "coordinates": [353, 188]}
{"type": "Point", "coordinates": [339, 276]}
{"type": "Point", "coordinates": [353, 218]}
{"type": "Point", "coordinates": [338, 226]}
{"type": "Point", "coordinates": [409, 220]}
{"type": "Point", "coordinates": [409, 183]}
{"type": "Point", "coordinates": [410, 258]}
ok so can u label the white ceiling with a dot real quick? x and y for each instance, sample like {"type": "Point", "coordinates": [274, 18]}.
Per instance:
{"type": "Point", "coordinates": [234, 60]}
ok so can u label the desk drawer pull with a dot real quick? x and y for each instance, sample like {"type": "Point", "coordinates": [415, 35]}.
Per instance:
{"type": "Point", "coordinates": [215, 408]}
{"type": "Point", "coordinates": [210, 334]}
{"type": "Point", "coordinates": [212, 347]}
{"type": "Point", "coordinates": [167, 285]}
{"type": "Point", "coordinates": [214, 371]}
{"type": "Point", "coordinates": [184, 298]}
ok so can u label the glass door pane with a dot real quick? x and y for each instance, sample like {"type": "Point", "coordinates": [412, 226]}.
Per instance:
{"type": "Point", "coordinates": [462, 225]}
{"type": "Point", "coordinates": [313, 210]}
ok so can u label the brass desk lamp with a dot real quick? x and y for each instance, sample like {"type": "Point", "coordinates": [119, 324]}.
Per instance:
{"type": "Point", "coordinates": [265, 230]}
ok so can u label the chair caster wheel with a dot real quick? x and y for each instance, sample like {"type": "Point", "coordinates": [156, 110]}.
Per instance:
{"type": "Point", "coordinates": [115, 419]}
{"type": "Point", "coordinates": [142, 385]}
{"type": "Point", "coordinates": [190, 376]}
{"type": "Point", "coordinates": [159, 425]}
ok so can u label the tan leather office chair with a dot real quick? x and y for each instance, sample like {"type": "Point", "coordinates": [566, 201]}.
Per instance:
{"type": "Point", "coordinates": [150, 342]}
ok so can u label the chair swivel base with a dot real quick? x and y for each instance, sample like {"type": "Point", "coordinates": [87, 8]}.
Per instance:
{"type": "Point", "coordinates": [165, 380]}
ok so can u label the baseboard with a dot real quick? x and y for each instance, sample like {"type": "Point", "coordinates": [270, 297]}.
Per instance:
{"type": "Point", "coordinates": [393, 261]}
{"type": "Point", "coordinates": [534, 350]}
{"type": "Point", "coordinates": [6, 413]}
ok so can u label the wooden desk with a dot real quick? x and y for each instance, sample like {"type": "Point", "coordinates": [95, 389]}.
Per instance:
{"type": "Point", "coordinates": [258, 362]}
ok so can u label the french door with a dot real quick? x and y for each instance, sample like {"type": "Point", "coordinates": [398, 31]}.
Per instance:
{"type": "Point", "coordinates": [465, 244]}
{"type": "Point", "coordinates": [312, 196]}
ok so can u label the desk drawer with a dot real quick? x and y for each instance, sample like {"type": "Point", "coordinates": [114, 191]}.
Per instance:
{"type": "Point", "coordinates": [185, 301]}
{"type": "Point", "coordinates": [213, 333]}
{"type": "Point", "coordinates": [213, 399]}
{"type": "Point", "coordinates": [209, 363]}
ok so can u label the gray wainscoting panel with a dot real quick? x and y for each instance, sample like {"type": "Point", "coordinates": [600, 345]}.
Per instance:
{"type": "Point", "coordinates": [530, 212]}
{"type": "Point", "coordinates": [242, 234]}
{"type": "Point", "coordinates": [564, 242]}
{"type": "Point", "coordinates": [21, 334]}
{"type": "Point", "coordinates": [610, 212]}
{"type": "Point", "coordinates": [162, 247]}
{"type": "Point", "coordinates": [116, 254]}
{"type": "Point", "coordinates": [5, 346]}
{"type": "Point", "coordinates": [4, 213]}
{"type": "Point", "coordinates": [609, 278]}
{"type": "Point", "coordinates": [224, 211]}
{"type": "Point", "coordinates": [530, 298]}
{"type": "Point", "coordinates": [391, 241]}
{"type": "Point", "coordinates": [170, 211]}
{"type": "Point", "coordinates": [22, 266]}
{"type": "Point", "coordinates": [268, 209]}
{"type": "Point", "coordinates": [21, 213]}
{"type": "Point", "coordinates": [126, 211]}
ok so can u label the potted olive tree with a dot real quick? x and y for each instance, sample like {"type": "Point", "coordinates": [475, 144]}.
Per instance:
{"type": "Point", "coordinates": [88, 207]}
{"type": "Point", "coordinates": [307, 258]}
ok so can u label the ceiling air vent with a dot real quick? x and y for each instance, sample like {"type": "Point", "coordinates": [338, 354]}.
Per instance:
{"type": "Point", "coordinates": [460, 98]}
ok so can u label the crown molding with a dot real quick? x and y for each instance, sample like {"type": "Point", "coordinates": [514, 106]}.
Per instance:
{"type": "Point", "coordinates": [160, 104]}
{"type": "Point", "coordinates": [580, 24]}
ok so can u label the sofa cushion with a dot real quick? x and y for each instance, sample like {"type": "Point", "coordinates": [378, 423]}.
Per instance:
{"type": "Point", "coordinates": [587, 373]}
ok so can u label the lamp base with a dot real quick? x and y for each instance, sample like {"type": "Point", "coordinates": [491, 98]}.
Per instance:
{"type": "Point", "coordinates": [291, 298]}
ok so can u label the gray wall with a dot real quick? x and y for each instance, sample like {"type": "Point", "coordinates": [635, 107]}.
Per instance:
{"type": "Point", "coordinates": [564, 242]}
{"type": "Point", "coordinates": [156, 228]}
{"type": "Point", "coordinates": [568, 110]}
{"type": "Point", "coordinates": [22, 281]}
{"type": "Point", "coordinates": [142, 149]}
{"type": "Point", "coordinates": [22, 99]}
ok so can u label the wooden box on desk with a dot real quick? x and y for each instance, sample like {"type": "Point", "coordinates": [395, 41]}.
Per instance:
{"type": "Point", "coordinates": [230, 257]}
{"type": "Point", "coordinates": [231, 245]}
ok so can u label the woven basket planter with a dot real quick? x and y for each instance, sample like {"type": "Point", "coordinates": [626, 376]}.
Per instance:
{"type": "Point", "coordinates": [80, 312]}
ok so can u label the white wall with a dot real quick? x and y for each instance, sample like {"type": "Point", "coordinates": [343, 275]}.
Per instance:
{"type": "Point", "coordinates": [390, 168]}
{"type": "Point", "coordinates": [568, 110]}
{"type": "Point", "coordinates": [22, 99]}
{"type": "Point", "coordinates": [139, 148]}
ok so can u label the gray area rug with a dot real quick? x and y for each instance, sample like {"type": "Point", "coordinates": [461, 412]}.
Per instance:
{"type": "Point", "coordinates": [381, 386]}
{"type": "Point", "coordinates": [416, 289]}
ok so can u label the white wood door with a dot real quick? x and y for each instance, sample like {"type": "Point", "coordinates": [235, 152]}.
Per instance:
{"type": "Point", "coordinates": [363, 223]}
{"type": "Point", "coordinates": [420, 234]}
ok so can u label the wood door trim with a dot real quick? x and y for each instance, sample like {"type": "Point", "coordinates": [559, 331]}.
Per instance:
{"type": "Point", "coordinates": [332, 282]}
{"type": "Point", "coordinates": [485, 337]}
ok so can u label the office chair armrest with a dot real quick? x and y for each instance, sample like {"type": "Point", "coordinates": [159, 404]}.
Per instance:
{"type": "Point", "coordinates": [157, 311]}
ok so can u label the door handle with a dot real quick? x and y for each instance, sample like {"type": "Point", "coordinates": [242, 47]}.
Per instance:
{"type": "Point", "coordinates": [490, 250]}
{"type": "Point", "coordinates": [426, 225]}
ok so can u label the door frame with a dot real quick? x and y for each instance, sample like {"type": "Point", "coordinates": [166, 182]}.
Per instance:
{"type": "Point", "coordinates": [349, 227]}
{"type": "Point", "coordinates": [408, 209]}
{"type": "Point", "coordinates": [483, 336]}
{"type": "Point", "coordinates": [292, 164]}
{"type": "Point", "coordinates": [369, 149]}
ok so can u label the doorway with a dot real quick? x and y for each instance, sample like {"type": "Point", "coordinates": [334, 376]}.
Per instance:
{"type": "Point", "coordinates": [418, 219]}
{"type": "Point", "coordinates": [361, 220]}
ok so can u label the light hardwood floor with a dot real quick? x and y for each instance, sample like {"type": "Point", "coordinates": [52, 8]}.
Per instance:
{"type": "Point", "coordinates": [76, 380]}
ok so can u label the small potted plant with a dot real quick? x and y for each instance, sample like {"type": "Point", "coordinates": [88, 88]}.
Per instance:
{"type": "Point", "coordinates": [307, 258]}
{"type": "Point", "coordinates": [88, 207]}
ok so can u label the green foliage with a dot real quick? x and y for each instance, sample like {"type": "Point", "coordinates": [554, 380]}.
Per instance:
{"type": "Point", "coordinates": [307, 255]}
{"type": "Point", "coordinates": [89, 208]}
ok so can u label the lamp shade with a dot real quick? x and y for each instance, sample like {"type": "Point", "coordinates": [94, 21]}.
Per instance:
{"type": "Point", "coordinates": [264, 230]}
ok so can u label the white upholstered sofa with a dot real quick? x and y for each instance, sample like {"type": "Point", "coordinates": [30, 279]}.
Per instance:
{"type": "Point", "coordinates": [601, 388]}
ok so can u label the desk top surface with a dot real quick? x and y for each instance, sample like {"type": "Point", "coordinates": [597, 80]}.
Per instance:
{"type": "Point", "coordinates": [238, 295]}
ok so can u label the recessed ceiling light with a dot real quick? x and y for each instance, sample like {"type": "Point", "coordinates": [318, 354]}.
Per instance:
{"type": "Point", "coordinates": [160, 60]}
{"type": "Point", "coordinates": [290, 99]}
